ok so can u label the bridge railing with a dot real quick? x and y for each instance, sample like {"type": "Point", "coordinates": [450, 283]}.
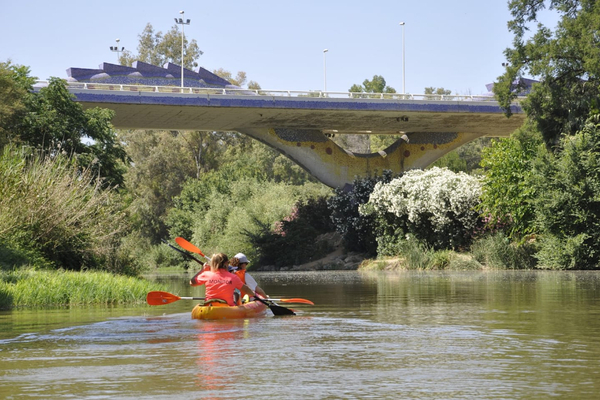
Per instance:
{"type": "Point", "coordinates": [315, 94]}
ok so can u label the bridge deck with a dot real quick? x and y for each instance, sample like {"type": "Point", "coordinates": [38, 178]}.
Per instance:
{"type": "Point", "coordinates": [232, 112]}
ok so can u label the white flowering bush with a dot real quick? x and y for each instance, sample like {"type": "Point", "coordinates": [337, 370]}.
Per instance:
{"type": "Point", "coordinates": [436, 206]}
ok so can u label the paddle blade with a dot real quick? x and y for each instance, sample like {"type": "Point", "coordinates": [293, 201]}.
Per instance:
{"type": "Point", "coordinates": [278, 310]}
{"type": "Point", "coordinates": [295, 300]}
{"type": "Point", "coordinates": [160, 298]}
{"type": "Point", "coordinates": [188, 246]}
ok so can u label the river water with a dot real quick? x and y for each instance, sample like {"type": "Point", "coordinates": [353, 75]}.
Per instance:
{"type": "Point", "coordinates": [412, 335]}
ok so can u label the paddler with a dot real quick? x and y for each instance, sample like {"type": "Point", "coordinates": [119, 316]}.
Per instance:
{"type": "Point", "coordinates": [220, 283]}
{"type": "Point", "coordinates": [238, 265]}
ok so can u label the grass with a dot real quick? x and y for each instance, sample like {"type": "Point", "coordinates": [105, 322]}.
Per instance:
{"type": "Point", "coordinates": [30, 288]}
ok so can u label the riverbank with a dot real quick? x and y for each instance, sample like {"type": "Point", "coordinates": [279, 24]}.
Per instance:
{"type": "Point", "coordinates": [32, 288]}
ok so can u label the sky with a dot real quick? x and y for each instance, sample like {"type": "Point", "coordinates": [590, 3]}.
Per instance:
{"type": "Point", "coordinates": [456, 45]}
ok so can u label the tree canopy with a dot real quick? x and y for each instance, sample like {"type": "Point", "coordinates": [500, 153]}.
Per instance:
{"type": "Point", "coordinates": [566, 60]}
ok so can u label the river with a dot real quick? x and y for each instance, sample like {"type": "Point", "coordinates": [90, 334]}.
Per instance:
{"type": "Point", "coordinates": [379, 335]}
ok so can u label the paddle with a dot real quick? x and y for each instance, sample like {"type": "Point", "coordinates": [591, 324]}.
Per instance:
{"type": "Point", "coordinates": [189, 247]}
{"type": "Point", "coordinates": [276, 309]}
{"type": "Point", "coordinates": [191, 257]}
{"type": "Point", "coordinates": [159, 298]}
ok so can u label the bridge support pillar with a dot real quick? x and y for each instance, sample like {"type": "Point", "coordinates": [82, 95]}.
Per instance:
{"type": "Point", "coordinates": [337, 167]}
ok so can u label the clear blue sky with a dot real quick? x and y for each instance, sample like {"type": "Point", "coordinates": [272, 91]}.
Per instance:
{"type": "Point", "coordinates": [457, 45]}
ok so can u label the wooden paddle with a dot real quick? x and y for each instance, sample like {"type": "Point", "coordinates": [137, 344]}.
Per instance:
{"type": "Point", "coordinates": [159, 298]}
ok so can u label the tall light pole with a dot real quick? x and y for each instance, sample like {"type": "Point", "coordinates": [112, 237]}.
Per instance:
{"type": "Point", "coordinates": [117, 50]}
{"type": "Point", "coordinates": [182, 23]}
{"type": "Point", "coordinates": [403, 61]}
{"type": "Point", "coordinates": [325, 69]}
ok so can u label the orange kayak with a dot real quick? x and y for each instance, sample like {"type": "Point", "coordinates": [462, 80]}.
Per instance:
{"type": "Point", "coordinates": [224, 311]}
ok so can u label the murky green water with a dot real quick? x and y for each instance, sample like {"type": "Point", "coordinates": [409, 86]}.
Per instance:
{"type": "Point", "coordinates": [497, 335]}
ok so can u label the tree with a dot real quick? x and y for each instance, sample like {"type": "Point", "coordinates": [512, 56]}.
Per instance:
{"type": "Point", "coordinates": [567, 203]}
{"type": "Point", "coordinates": [51, 121]}
{"type": "Point", "coordinates": [567, 62]}
{"type": "Point", "coordinates": [375, 85]}
{"type": "Point", "coordinates": [15, 83]}
{"type": "Point", "coordinates": [438, 93]}
{"type": "Point", "coordinates": [158, 49]}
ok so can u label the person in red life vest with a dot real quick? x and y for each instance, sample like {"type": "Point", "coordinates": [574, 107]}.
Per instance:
{"type": "Point", "coordinates": [219, 282]}
{"type": "Point", "coordinates": [238, 265]}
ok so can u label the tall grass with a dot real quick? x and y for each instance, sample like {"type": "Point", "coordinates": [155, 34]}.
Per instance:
{"type": "Point", "coordinates": [30, 288]}
{"type": "Point", "coordinates": [498, 252]}
{"type": "Point", "coordinates": [54, 213]}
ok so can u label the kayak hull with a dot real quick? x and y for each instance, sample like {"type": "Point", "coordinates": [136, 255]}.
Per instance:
{"type": "Point", "coordinates": [222, 311]}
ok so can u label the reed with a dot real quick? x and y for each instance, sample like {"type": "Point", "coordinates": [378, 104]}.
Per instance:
{"type": "Point", "coordinates": [30, 288]}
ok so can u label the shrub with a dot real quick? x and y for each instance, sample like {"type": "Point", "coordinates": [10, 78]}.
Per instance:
{"type": "Point", "coordinates": [497, 252]}
{"type": "Point", "coordinates": [52, 213]}
{"type": "Point", "coordinates": [436, 206]}
{"type": "Point", "coordinates": [356, 229]}
{"type": "Point", "coordinates": [293, 240]}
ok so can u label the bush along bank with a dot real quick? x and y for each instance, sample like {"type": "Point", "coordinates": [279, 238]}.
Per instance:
{"type": "Point", "coordinates": [27, 288]}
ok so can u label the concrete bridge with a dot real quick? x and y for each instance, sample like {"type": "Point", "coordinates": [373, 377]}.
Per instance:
{"type": "Point", "coordinates": [297, 123]}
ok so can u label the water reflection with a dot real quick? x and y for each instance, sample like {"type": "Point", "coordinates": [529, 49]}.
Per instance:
{"type": "Point", "coordinates": [370, 335]}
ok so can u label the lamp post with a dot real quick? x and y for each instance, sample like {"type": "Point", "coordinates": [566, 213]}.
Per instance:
{"type": "Point", "coordinates": [117, 50]}
{"type": "Point", "coordinates": [182, 22]}
{"type": "Point", "coordinates": [325, 69]}
{"type": "Point", "coordinates": [403, 61]}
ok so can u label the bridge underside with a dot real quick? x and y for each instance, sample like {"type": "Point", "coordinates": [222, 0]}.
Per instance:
{"type": "Point", "coordinates": [298, 127]}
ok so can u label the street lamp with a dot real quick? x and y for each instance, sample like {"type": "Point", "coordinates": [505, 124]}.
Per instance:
{"type": "Point", "coordinates": [325, 69]}
{"type": "Point", "coordinates": [403, 62]}
{"type": "Point", "coordinates": [117, 50]}
{"type": "Point", "coordinates": [182, 22]}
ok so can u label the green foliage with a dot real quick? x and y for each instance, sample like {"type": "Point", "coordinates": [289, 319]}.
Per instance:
{"type": "Point", "coordinates": [467, 158]}
{"type": "Point", "coordinates": [14, 86]}
{"type": "Point", "coordinates": [358, 231]}
{"type": "Point", "coordinates": [375, 85]}
{"type": "Point", "coordinates": [294, 241]}
{"type": "Point", "coordinates": [566, 61]}
{"type": "Point", "coordinates": [27, 288]}
{"type": "Point", "coordinates": [438, 93]}
{"type": "Point", "coordinates": [496, 251]}
{"type": "Point", "coordinates": [52, 122]}
{"type": "Point", "coordinates": [158, 49]}
{"type": "Point", "coordinates": [568, 201]}
{"type": "Point", "coordinates": [53, 213]}
{"type": "Point", "coordinates": [508, 192]}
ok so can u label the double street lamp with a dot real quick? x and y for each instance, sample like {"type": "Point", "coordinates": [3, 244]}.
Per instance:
{"type": "Point", "coordinates": [182, 22]}
{"type": "Point", "coordinates": [117, 50]}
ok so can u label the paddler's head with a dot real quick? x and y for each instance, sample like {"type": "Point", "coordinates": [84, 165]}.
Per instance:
{"type": "Point", "coordinates": [219, 261]}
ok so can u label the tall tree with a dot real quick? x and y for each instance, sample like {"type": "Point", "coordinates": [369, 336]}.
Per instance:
{"type": "Point", "coordinates": [14, 86]}
{"type": "Point", "coordinates": [375, 85]}
{"type": "Point", "coordinates": [566, 61]}
{"type": "Point", "coordinates": [157, 49]}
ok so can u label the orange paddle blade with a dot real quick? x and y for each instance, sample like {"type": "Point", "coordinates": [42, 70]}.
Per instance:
{"type": "Point", "coordinates": [295, 300]}
{"type": "Point", "coordinates": [160, 298]}
{"type": "Point", "coordinates": [188, 246]}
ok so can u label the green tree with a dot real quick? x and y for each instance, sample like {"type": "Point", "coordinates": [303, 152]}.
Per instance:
{"type": "Point", "coordinates": [438, 93]}
{"type": "Point", "coordinates": [51, 121]}
{"type": "Point", "coordinates": [567, 202]}
{"type": "Point", "coordinates": [508, 191]}
{"type": "Point", "coordinates": [375, 85]}
{"type": "Point", "coordinates": [158, 49]}
{"type": "Point", "coordinates": [566, 61]}
{"type": "Point", "coordinates": [15, 83]}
